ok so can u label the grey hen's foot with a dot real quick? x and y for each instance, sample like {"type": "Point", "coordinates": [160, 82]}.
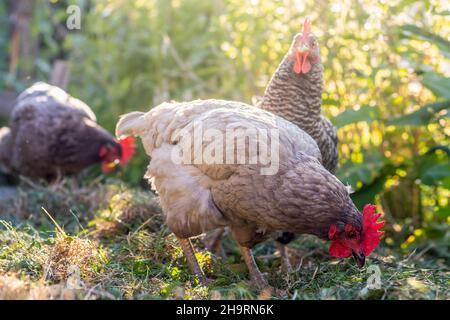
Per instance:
{"type": "Point", "coordinates": [255, 275]}
{"type": "Point", "coordinates": [284, 255]}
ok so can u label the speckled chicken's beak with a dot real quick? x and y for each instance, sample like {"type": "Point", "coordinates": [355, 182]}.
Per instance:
{"type": "Point", "coordinates": [360, 259]}
{"type": "Point", "coordinates": [302, 65]}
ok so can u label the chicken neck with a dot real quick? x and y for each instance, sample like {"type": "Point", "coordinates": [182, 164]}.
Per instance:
{"type": "Point", "coordinates": [296, 97]}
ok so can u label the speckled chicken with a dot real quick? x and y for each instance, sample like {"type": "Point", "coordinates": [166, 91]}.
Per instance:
{"type": "Point", "coordinates": [52, 134]}
{"type": "Point", "coordinates": [199, 194]}
{"type": "Point", "coordinates": [295, 94]}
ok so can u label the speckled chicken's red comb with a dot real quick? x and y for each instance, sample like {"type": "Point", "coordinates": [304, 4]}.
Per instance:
{"type": "Point", "coordinates": [128, 149]}
{"type": "Point", "coordinates": [371, 233]}
{"type": "Point", "coordinates": [306, 29]}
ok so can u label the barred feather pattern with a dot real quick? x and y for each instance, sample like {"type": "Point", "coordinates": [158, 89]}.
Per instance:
{"type": "Point", "coordinates": [298, 99]}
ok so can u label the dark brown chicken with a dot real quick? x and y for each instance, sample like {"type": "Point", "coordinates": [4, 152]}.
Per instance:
{"type": "Point", "coordinates": [53, 134]}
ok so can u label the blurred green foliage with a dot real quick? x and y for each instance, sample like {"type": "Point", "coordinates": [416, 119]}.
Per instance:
{"type": "Point", "coordinates": [387, 85]}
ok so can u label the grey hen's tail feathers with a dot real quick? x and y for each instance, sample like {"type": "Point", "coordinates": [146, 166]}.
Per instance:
{"type": "Point", "coordinates": [131, 124]}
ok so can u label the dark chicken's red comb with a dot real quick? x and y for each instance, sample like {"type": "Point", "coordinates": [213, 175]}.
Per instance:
{"type": "Point", "coordinates": [370, 236]}
{"type": "Point", "coordinates": [371, 233]}
{"type": "Point", "coordinates": [128, 149]}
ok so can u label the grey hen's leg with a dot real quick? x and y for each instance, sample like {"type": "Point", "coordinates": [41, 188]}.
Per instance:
{"type": "Point", "coordinates": [189, 253]}
{"type": "Point", "coordinates": [286, 262]}
{"type": "Point", "coordinates": [282, 241]}
{"type": "Point", "coordinates": [256, 275]}
{"type": "Point", "coordinates": [213, 242]}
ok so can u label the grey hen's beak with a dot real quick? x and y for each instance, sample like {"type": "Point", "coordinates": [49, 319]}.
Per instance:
{"type": "Point", "coordinates": [360, 258]}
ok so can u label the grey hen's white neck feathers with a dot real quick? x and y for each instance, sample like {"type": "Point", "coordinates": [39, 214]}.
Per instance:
{"type": "Point", "coordinates": [298, 98]}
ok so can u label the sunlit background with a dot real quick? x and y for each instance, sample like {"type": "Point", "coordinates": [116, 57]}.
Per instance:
{"type": "Point", "coordinates": [387, 80]}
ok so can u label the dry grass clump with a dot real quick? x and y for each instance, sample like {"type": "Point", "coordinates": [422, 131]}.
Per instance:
{"type": "Point", "coordinates": [127, 210]}
{"type": "Point", "coordinates": [65, 199]}
{"type": "Point", "coordinates": [76, 259]}
{"type": "Point", "coordinates": [157, 247]}
{"type": "Point", "coordinates": [73, 203]}
{"type": "Point", "coordinates": [22, 251]}
{"type": "Point", "coordinates": [14, 288]}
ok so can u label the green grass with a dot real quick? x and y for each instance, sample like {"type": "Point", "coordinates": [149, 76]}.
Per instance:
{"type": "Point", "coordinates": [120, 249]}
